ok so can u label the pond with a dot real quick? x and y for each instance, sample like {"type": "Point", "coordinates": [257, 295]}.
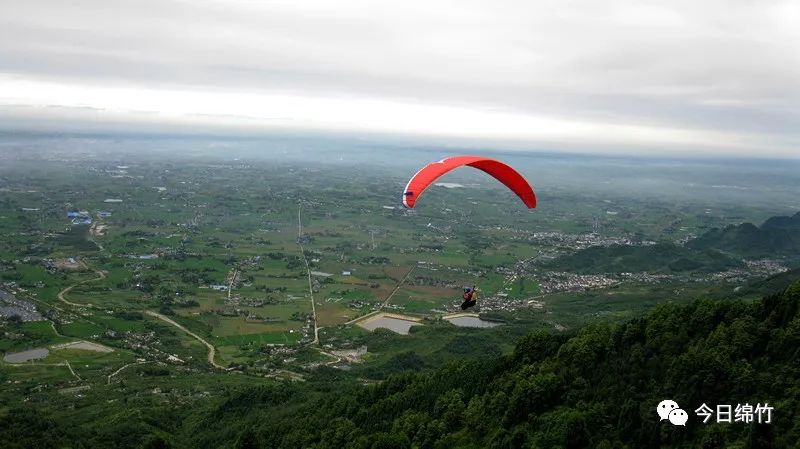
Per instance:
{"type": "Point", "coordinates": [24, 356]}
{"type": "Point", "coordinates": [472, 321]}
{"type": "Point", "coordinates": [393, 324]}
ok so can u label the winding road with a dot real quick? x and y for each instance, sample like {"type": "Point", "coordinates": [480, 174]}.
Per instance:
{"type": "Point", "coordinates": [100, 276]}
{"type": "Point", "coordinates": [110, 376]}
{"type": "Point", "coordinates": [211, 350]}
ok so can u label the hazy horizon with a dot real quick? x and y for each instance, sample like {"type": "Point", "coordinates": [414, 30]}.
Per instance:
{"type": "Point", "coordinates": [621, 77]}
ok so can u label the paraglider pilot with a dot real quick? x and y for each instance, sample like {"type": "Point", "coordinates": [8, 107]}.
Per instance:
{"type": "Point", "coordinates": [469, 297]}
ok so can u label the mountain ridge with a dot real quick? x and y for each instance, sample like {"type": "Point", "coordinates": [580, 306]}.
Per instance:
{"type": "Point", "coordinates": [778, 236]}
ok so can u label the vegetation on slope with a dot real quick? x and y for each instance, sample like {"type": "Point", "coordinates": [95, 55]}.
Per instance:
{"type": "Point", "coordinates": [778, 236]}
{"type": "Point", "coordinates": [596, 388]}
{"type": "Point", "coordinates": [664, 258]}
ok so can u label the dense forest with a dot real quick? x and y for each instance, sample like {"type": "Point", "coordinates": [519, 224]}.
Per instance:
{"type": "Point", "coordinates": [597, 387]}
{"type": "Point", "coordinates": [662, 258]}
{"type": "Point", "coordinates": [778, 236]}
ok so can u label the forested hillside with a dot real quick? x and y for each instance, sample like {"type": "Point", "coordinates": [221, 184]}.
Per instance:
{"type": "Point", "coordinates": [663, 258]}
{"type": "Point", "coordinates": [778, 236]}
{"type": "Point", "coordinates": [596, 388]}
{"type": "Point", "coordinates": [717, 250]}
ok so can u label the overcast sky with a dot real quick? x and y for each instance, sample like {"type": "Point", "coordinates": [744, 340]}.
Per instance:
{"type": "Point", "coordinates": [710, 77]}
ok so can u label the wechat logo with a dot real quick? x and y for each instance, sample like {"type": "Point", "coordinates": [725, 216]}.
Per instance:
{"type": "Point", "coordinates": [671, 411]}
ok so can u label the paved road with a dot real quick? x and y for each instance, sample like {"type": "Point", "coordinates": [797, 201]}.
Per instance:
{"type": "Point", "coordinates": [386, 301]}
{"type": "Point", "coordinates": [399, 284]}
{"type": "Point", "coordinates": [124, 367]}
{"type": "Point", "coordinates": [100, 275]}
{"type": "Point", "coordinates": [308, 272]}
{"type": "Point", "coordinates": [211, 350]}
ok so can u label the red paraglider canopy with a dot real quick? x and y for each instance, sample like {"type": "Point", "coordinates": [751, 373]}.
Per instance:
{"type": "Point", "coordinates": [499, 170]}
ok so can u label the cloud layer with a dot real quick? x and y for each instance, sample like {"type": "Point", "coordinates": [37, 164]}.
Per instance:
{"type": "Point", "coordinates": [638, 76]}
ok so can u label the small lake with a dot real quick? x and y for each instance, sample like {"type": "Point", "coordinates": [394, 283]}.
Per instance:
{"type": "Point", "coordinates": [472, 321]}
{"type": "Point", "coordinates": [393, 324]}
{"type": "Point", "coordinates": [24, 356]}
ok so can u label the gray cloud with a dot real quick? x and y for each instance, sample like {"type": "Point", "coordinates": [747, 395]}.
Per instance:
{"type": "Point", "coordinates": [719, 70]}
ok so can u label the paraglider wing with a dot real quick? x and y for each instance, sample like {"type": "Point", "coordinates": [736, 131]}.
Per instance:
{"type": "Point", "coordinates": [499, 170]}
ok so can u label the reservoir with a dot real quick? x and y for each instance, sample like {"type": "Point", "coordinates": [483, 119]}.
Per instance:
{"type": "Point", "coordinates": [472, 321]}
{"type": "Point", "coordinates": [24, 356]}
{"type": "Point", "coordinates": [394, 324]}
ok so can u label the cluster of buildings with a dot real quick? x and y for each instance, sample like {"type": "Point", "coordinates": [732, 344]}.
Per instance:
{"type": "Point", "coordinates": [248, 315]}
{"type": "Point", "coordinates": [497, 303]}
{"type": "Point", "coordinates": [79, 217]}
{"type": "Point", "coordinates": [765, 267]}
{"type": "Point", "coordinates": [582, 241]}
{"type": "Point", "coordinates": [359, 304]}
{"type": "Point", "coordinates": [235, 306]}
{"type": "Point", "coordinates": [758, 268]}
{"type": "Point", "coordinates": [82, 217]}
{"type": "Point", "coordinates": [554, 281]}
{"type": "Point", "coordinates": [11, 306]}
{"type": "Point", "coordinates": [143, 343]}
{"type": "Point", "coordinates": [650, 278]}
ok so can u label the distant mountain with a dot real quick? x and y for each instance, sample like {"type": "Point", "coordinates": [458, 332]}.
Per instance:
{"type": "Point", "coordinates": [777, 237]}
{"type": "Point", "coordinates": [664, 258]}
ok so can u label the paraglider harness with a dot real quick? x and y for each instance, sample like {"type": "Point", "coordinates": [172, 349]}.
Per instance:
{"type": "Point", "coordinates": [468, 297]}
